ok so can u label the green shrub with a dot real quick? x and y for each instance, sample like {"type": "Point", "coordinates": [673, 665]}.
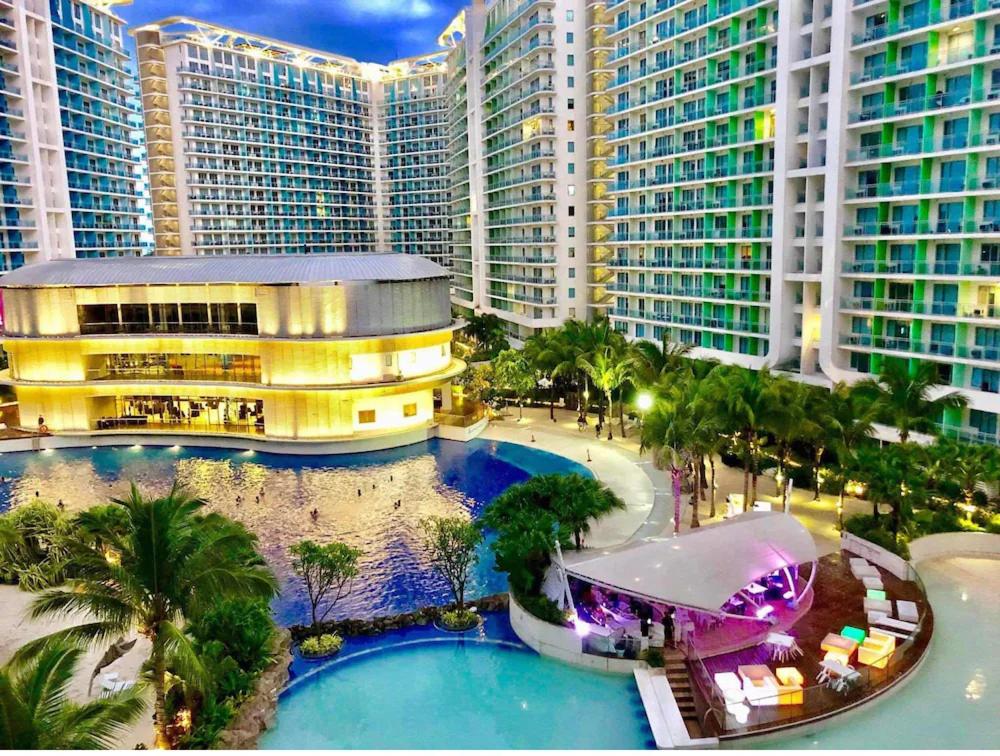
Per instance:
{"type": "Point", "coordinates": [244, 629]}
{"type": "Point", "coordinates": [34, 546]}
{"type": "Point", "coordinates": [543, 608]}
{"type": "Point", "coordinates": [459, 619]}
{"type": "Point", "coordinates": [315, 646]}
{"type": "Point", "coordinates": [803, 476]}
{"type": "Point", "coordinates": [654, 657]}
{"type": "Point", "coordinates": [871, 529]}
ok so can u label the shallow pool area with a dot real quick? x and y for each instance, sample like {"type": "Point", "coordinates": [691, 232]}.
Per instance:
{"type": "Point", "coordinates": [954, 699]}
{"type": "Point", "coordinates": [373, 501]}
{"type": "Point", "coordinates": [445, 693]}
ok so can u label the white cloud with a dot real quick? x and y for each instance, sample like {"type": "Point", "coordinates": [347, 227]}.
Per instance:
{"type": "Point", "coordinates": [386, 9]}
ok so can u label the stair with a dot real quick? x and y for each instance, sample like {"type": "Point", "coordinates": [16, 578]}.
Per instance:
{"type": "Point", "coordinates": [675, 669]}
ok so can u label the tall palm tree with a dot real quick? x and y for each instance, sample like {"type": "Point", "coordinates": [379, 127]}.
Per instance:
{"type": "Point", "coordinates": [902, 397]}
{"type": "Point", "coordinates": [36, 712]}
{"type": "Point", "coordinates": [652, 361]}
{"type": "Point", "coordinates": [549, 355]}
{"type": "Point", "coordinates": [609, 370]}
{"type": "Point", "coordinates": [747, 398]}
{"type": "Point", "coordinates": [789, 421]}
{"type": "Point", "coordinates": [169, 563]}
{"type": "Point", "coordinates": [967, 465]}
{"type": "Point", "coordinates": [851, 425]}
{"type": "Point", "coordinates": [893, 477]}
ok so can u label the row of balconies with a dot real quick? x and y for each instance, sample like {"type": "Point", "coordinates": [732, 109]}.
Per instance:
{"type": "Point", "coordinates": [691, 320]}
{"type": "Point", "coordinates": [915, 105]}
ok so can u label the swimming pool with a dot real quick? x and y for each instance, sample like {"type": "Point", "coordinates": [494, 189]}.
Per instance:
{"type": "Point", "coordinates": [954, 699]}
{"type": "Point", "coordinates": [450, 694]}
{"type": "Point", "coordinates": [356, 495]}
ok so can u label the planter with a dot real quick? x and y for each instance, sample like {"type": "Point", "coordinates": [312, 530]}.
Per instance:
{"type": "Point", "coordinates": [475, 621]}
{"type": "Point", "coordinates": [321, 647]}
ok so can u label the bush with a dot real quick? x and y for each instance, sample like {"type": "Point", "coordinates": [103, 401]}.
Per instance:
{"type": "Point", "coordinates": [871, 529]}
{"type": "Point", "coordinates": [243, 628]}
{"type": "Point", "coordinates": [543, 608]}
{"type": "Point", "coordinates": [316, 646]}
{"type": "Point", "coordinates": [654, 657]}
{"type": "Point", "coordinates": [34, 546]}
{"type": "Point", "coordinates": [459, 619]}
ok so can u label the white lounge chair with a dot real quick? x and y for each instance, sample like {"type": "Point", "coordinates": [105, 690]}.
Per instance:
{"type": "Point", "coordinates": [907, 611]}
{"type": "Point", "coordinates": [878, 605]}
{"type": "Point", "coordinates": [873, 583]}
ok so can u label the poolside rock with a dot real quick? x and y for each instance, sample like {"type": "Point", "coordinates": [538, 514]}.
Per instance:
{"type": "Point", "coordinates": [259, 712]}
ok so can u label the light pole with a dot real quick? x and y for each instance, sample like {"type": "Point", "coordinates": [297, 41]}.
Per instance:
{"type": "Point", "coordinates": [643, 402]}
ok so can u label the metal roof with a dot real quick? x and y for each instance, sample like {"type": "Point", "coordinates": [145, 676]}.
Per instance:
{"type": "Point", "coordinates": [223, 269]}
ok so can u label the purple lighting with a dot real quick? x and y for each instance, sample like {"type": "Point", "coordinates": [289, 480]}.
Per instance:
{"type": "Point", "coordinates": [581, 627]}
{"type": "Point", "coordinates": [764, 611]}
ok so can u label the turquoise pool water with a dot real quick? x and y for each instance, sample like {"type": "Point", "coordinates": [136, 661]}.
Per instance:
{"type": "Point", "coordinates": [373, 501]}
{"type": "Point", "coordinates": [448, 694]}
{"type": "Point", "coordinates": [954, 700]}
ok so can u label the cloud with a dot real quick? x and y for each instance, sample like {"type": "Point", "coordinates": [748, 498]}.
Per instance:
{"type": "Point", "coordinates": [387, 9]}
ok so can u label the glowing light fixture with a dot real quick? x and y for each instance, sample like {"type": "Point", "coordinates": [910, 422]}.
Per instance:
{"type": "Point", "coordinates": [644, 401]}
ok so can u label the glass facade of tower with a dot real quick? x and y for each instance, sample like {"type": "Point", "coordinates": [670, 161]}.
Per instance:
{"type": "Point", "coordinates": [279, 156]}
{"type": "Point", "coordinates": [457, 150]}
{"type": "Point", "coordinates": [921, 242]}
{"type": "Point", "coordinates": [414, 167]}
{"type": "Point", "coordinates": [15, 224]}
{"type": "Point", "coordinates": [95, 83]}
{"type": "Point", "coordinates": [684, 241]}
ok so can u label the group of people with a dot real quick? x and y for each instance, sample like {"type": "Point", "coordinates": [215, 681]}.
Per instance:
{"type": "Point", "coordinates": [612, 609]}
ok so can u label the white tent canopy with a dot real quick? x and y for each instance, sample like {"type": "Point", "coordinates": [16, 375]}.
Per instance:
{"type": "Point", "coordinates": [704, 568]}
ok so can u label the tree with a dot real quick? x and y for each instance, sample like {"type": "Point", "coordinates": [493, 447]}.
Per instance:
{"type": "Point", "coordinates": [850, 425]}
{"type": "Point", "coordinates": [893, 478]}
{"type": "Point", "coordinates": [967, 465]}
{"type": "Point", "coordinates": [477, 383]}
{"type": "Point", "coordinates": [328, 572]}
{"type": "Point", "coordinates": [513, 373]}
{"type": "Point", "coordinates": [529, 516]}
{"type": "Point", "coordinates": [36, 712]}
{"type": "Point", "coordinates": [746, 398]}
{"type": "Point", "coordinates": [169, 563]}
{"type": "Point", "coordinates": [547, 352]}
{"type": "Point", "coordinates": [486, 331]}
{"type": "Point", "coordinates": [902, 397]}
{"type": "Point", "coordinates": [652, 361]}
{"type": "Point", "coordinates": [34, 542]}
{"type": "Point", "coordinates": [608, 370]}
{"type": "Point", "coordinates": [787, 421]}
{"type": "Point", "coordinates": [452, 544]}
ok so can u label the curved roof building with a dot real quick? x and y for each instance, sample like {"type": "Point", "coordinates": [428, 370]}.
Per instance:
{"type": "Point", "coordinates": [291, 347]}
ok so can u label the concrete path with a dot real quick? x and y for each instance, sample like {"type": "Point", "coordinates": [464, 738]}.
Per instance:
{"type": "Point", "coordinates": [649, 496]}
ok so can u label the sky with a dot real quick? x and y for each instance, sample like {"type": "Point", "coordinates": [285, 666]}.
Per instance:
{"type": "Point", "coordinates": [375, 31]}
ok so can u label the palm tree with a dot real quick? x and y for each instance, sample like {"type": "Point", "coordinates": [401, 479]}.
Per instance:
{"type": "Point", "coordinates": [903, 398]}
{"type": "Point", "coordinates": [705, 439]}
{"type": "Point", "coordinates": [967, 465]}
{"type": "Point", "coordinates": [652, 361]}
{"type": "Point", "coordinates": [548, 354]}
{"type": "Point", "coordinates": [36, 712]}
{"type": "Point", "coordinates": [609, 370]}
{"type": "Point", "coordinates": [747, 399]}
{"type": "Point", "coordinates": [788, 421]}
{"type": "Point", "coordinates": [169, 563]}
{"type": "Point", "coordinates": [850, 421]}
{"type": "Point", "coordinates": [893, 478]}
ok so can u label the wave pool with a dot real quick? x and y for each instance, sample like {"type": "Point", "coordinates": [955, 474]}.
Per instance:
{"type": "Point", "coordinates": [273, 495]}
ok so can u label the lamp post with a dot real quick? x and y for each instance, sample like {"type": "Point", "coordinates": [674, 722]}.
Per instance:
{"type": "Point", "coordinates": [643, 403]}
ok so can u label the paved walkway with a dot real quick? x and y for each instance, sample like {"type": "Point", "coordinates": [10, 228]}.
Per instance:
{"type": "Point", "coordinates": [649, 497]}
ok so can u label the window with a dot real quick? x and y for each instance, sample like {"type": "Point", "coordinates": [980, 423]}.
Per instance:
{"type": "Point", "coordinates": [572, 210]}
{"type": "Point", "coordinates": [571, 146]}
{"type": "Point", "coordinates": [572, 231]}
{"type": "Point", "coordinates": [571, 81]}
{"type": "Point", "coordinates": [571, 103]}
{"type": "Point", "coordinates": [366, 417]}
{"type": "Point", "coordinates": [388, 360]}
{"type": "Point", "coordinates": [570, 60]}
{"type": "Point", "coordinates": [571, 168]}
{"type": "Point", "coordinates": [409, 410]}
{"type": "Point", "coordinates": [572, 293]}
{"type": "Point", "coordinates": [572, 251]}
{"type": "Point", "coordinates": [569, 38]}
{"type": "Point", "coordinates": [569, 15]}
{"type": "Point", "coordinates": [572, 272]}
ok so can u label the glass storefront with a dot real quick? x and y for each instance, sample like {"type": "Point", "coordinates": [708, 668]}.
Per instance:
{"type": "Point", "coordinates": [190, 414]}
{"type": "Point", "coordinates": [241, 368]}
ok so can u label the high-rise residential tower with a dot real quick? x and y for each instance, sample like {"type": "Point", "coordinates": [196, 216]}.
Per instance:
{"type": "Point", "coordinates": [411, 135]}
{"type": "Point", "coordinates": [67, 166]}
{"type": "Point", "coordinates": [255, 146]}
{"type": "Point", "coordinates": [521, 73]}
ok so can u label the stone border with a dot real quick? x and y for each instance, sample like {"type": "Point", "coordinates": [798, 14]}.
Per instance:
{"type": "Point", "coordinates": [258, 713]}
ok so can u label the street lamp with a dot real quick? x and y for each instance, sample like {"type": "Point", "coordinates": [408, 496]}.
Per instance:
{"type": "Point", "coordinates": [643, 403]}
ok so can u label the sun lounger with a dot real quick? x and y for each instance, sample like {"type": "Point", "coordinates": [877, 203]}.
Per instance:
{"type": "Point", "coordinates": [898, 625]}
{"type": "Point", "coordinates": [861, 571]}
{"type": "Point", "coordinates": [873, 583]}
{"type": "Point", "coordinates": [907, 611]}
{"type": "Point", "coordinates": [878, 605]}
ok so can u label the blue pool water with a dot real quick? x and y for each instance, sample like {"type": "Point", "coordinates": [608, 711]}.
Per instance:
{"type": "Point", "coordinates": [450, 694]}
{"type": "Point", "coordinates": [435, 477]}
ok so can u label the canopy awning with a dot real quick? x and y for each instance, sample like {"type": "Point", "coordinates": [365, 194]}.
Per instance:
{"type": "Point", "coordinates": [701, 569]}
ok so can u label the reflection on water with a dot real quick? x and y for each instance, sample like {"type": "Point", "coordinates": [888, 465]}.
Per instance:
{"type": "Point", "coordinates": [273, 496]}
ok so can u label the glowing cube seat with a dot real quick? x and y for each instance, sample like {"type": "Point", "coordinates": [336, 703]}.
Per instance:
{"type": "Point", "coordinates": [838, 648]}
{"type": "Point", "coordinates": [854, 633]}
{"type": "Point", "coordinates": [876, 649]}
{"type": "Point", "coordinates": [790, 682]}
{"type": "Point", "coordinates": [759, 684]}
{"type": "Point", "coordinates": [875, 593]}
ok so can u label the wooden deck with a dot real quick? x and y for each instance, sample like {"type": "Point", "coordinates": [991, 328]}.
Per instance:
{"type": "Point", "coordinates": [837, 601]}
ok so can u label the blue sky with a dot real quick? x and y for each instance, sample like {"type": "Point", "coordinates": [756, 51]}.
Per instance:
{"type": "Point", "coordinates": [369, 30]}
